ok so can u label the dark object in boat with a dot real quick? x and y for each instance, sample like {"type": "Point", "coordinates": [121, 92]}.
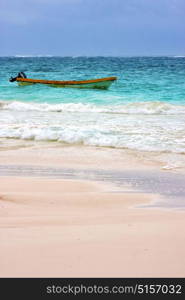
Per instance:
{"type": "Point", "coordinates": [20, 75]}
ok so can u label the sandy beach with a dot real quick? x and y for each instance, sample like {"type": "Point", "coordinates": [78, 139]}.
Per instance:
{"type": "Point", "coordinates": [58, 226]}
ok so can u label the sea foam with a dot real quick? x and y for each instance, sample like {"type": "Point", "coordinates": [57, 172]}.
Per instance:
{"type": "Point", "coordinates": [155, 107]}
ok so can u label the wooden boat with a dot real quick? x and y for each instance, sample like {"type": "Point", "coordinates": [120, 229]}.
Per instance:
{"type": "Point", "coordinates": [101, 83]}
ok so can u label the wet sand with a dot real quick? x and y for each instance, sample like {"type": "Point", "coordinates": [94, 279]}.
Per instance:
{"type": "Point", "coordinates": [56, 227]}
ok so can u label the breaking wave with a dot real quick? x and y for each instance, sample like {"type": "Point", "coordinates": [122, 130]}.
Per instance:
{"type": "Point", "coordinates": [152, 108]}
{"type": "Point", "coordinates": [145, 126]}
{"type": "Point", "coordinates": [96, 137]}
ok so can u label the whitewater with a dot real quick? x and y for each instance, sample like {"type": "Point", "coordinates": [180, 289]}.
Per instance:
{"type": "Point", "coordinates": [143, 111]}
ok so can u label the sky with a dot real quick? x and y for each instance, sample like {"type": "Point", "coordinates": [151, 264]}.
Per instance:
{"type": "Point", "coordinates": [92, 27]}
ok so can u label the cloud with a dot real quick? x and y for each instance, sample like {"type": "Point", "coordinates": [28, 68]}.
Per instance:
{"type": "Point", "coordinates": [23, 12]}
{"type": "Point", "coordinates": [76, 25]}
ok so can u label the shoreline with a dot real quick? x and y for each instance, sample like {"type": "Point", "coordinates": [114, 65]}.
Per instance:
{"type": "Point", "coordinates": [55, 153]}
{"type": "Point", "coordinates": [126, 170]}
{"type": "Point", "coordinates": [167, 189]}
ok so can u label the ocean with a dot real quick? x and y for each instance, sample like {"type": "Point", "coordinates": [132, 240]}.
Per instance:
{"type": "Point", "coordinates": [144, 110]}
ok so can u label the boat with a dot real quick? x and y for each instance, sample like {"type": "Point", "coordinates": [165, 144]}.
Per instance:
{"type": "Point", "coordinates": [101, 83]}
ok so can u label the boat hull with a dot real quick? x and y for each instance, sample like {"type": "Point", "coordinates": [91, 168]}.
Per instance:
{"type": "Point", "coordinates": [102, 83]}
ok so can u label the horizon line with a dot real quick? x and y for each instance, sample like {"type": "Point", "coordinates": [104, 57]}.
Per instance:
{"type": "Point", "coordinates": [76, 56]}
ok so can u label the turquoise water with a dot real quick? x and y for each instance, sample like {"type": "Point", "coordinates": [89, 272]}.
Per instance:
{"type": "Point", "coordinates": [143, 110]}
{"type": "Point", "coordinates": [139, 79]}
